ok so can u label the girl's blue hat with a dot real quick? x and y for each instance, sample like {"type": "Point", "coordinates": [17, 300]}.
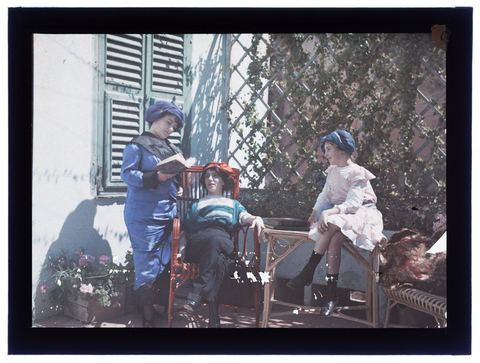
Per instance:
{"type": "Point", "coordinates": [155, 111]}
{"type": "Point", "coordinates": [342, 139]}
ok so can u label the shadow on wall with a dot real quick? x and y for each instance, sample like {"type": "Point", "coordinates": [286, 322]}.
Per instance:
{"type": "Point", "coordinates": [77, 233]}
{"type": "Point", "coordinates": [206, 121]}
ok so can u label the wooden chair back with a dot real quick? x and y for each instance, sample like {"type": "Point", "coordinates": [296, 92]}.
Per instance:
{"type": "Point", "coordinates": [193, 190]}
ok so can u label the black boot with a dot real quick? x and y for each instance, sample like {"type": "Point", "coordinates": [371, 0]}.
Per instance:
{"type": "Point", "coordinates": [213, 316]}
{"type": "Point", "coordinates": [161, 288]}
{"type": "Point", "coordinates": [305, 277]}
{"type": "Point", "coordinates": [331, 298]}
{"type": "Point", "coordinates": [148, 316]}
{"type": "Point", "coordinates": [144, 299]}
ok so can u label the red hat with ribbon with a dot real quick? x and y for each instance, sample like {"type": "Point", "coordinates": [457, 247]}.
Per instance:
{"type": "Point", "coordinates": [223, 167]}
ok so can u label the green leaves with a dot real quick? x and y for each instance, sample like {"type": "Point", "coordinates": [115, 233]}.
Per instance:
{"type": "Point", "coordinates": [367, 84]}
{"type": "Point", "coordinates": [99, 279]}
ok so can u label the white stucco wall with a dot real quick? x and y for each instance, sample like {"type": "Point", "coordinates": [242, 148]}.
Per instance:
{"type": "Point", "coordinates": [65, 214]}
{"type": "Point", "coordinates": [207, 98]}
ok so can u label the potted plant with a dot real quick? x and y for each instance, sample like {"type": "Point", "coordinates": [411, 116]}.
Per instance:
{"type": "Point", "coordinates": [89, 287]}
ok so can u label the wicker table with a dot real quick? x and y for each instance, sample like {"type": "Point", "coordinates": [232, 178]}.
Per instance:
{"type": "Point", "coordinates": [281, 243]}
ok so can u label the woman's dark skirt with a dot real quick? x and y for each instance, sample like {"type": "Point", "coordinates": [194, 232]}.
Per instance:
{"type": "Point", "coordinates": [212, 249]}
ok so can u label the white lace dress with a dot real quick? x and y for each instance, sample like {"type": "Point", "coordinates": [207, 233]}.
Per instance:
{"type": "Point", "coordinates": [349, 189]}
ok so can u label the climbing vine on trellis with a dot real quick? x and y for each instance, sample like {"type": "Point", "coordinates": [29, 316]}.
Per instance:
{"type": "Point", "coordinates": [388, 90]}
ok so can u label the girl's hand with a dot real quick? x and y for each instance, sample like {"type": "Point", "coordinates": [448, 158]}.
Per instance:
{"type": "Point", "coordinates": [182, 244]}
{"type": "Point", "coordinates": [322, 222]}
{"type": "Point", "coordinates": [181, 254]}
{"type": "Point", "coordinates": [179, 192]}
{"type": "Point", "coordinates": [164, 177]}
{"type": "Point", "coordinates": [311, 219]}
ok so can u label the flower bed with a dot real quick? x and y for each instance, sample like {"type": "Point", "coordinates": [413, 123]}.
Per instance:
{"type": "Point", "coordinates": [88, 287]}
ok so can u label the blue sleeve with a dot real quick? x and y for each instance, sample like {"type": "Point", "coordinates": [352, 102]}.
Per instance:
{"type": "Point", "coordinates": [131, 173]}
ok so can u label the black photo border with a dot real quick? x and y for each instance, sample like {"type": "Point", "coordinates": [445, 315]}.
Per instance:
{"type": "Point", "coordinates": [453, 340]}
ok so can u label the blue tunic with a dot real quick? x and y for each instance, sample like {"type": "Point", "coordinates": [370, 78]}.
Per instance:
{"type": "Point", "coordinates": [150, 207]}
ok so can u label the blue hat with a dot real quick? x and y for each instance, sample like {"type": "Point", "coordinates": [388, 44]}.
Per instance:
{"type": "Point", "coordinates": [155, 111]}
{"type": "Point", "coordinates": [342, 139]}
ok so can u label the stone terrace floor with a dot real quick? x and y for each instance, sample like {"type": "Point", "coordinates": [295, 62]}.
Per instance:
{"type": "Point", "coordinates": [231, 317]}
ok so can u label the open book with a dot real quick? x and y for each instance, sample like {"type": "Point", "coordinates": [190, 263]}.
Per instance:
{"type": "Point", "coordinates": [175, 164]}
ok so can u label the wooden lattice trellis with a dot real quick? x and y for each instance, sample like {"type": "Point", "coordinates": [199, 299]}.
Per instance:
{"type": "Point", "coordinates": [263, 103]}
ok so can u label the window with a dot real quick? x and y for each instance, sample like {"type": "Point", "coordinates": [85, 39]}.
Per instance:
{"type": "Point", "coordinates": [135, 71]}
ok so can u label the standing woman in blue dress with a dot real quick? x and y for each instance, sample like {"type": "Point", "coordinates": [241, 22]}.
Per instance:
{"type": "Point", "coordinates": [151, 203]}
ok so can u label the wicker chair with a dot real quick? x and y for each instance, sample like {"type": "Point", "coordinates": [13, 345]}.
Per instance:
{"type": "Point", "coordinates": [416, 299]}
{"type": "Point", "coordinates": [181, 272]}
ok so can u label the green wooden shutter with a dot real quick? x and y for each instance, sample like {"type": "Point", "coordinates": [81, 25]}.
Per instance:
{"type": "Point", "coordinates": [125, 115]}
{"type": "Point", "coordinates": [167, 79]}
{"type": "Point", "coordinates": [123, 101]}
{"type": "Point", "coordinates": [124, 60]}
{"type": "Point", "coordinates": [138, 70]}
{"type": "Point", "coordinates": [168, 64]}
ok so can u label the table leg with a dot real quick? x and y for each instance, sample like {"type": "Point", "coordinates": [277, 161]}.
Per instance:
{"type": "Point", "coordinates": [269, 285]}
{"type": "Point", "coordinates": [369, 297]}
{"type": "Point", "coordinates": [375, 287]}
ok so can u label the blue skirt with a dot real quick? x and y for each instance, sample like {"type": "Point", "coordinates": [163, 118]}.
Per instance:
{"type": "Point", "coordinates": [152, 246]}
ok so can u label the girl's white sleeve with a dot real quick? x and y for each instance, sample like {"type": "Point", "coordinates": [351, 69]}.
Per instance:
{"type": "Point", "coordinates": [323, 197]}
{"type": "Point", "coordinates": [354, 198]}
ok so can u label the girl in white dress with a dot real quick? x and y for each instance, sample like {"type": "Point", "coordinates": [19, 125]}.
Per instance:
{"type": "Point", "coordinates": [345, 209]}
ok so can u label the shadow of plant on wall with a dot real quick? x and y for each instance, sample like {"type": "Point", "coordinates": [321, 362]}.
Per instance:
{"type": "Point", "coordinates": [77, 234]}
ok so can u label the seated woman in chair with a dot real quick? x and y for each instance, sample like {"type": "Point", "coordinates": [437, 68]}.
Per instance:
{"type": "Point", "coordinates": [206, 237]}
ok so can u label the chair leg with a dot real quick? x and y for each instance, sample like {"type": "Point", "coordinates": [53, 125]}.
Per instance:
{"type": "Point", "coordinates": [376, 290]}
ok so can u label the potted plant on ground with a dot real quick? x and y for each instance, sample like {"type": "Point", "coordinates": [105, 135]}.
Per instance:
{"type": "Point", "coordinates": [89, 287]}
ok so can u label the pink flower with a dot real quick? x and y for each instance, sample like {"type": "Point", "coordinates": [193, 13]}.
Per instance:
{"type": "Point", "coordinates": [86, 289]}
{"type": "Point", "coordinates": [86, 260]}
{"type": "Point", "coordinates": [103, 259]}
{"type": "Point", "coordinates": [43, 289]}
